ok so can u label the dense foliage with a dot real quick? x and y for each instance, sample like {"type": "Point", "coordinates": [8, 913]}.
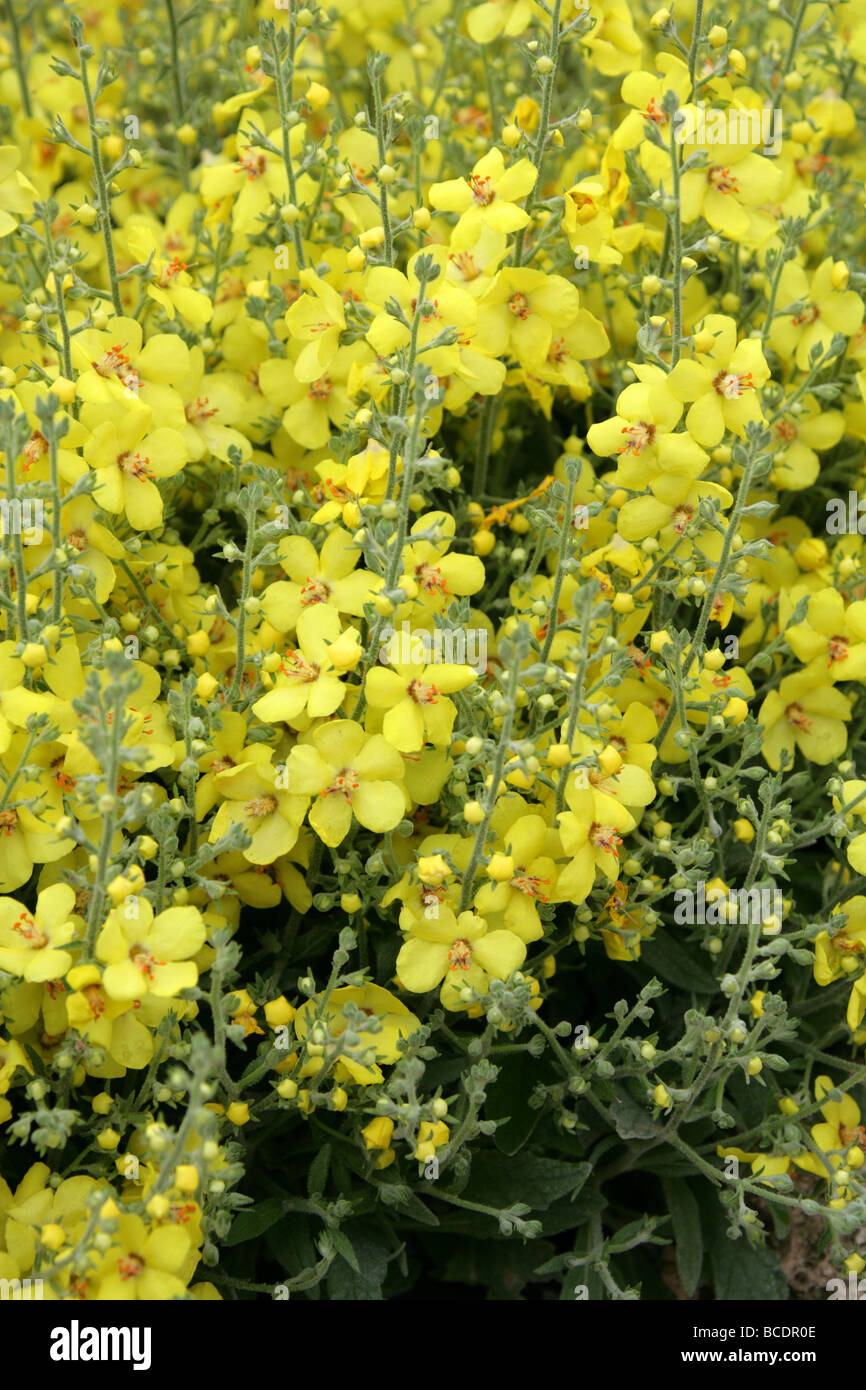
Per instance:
{"type": "Point", "coordinates": [434, 646]}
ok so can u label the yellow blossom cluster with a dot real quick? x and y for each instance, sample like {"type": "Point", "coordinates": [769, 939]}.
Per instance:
{"type": "Point", "coordinates": [432, 440]}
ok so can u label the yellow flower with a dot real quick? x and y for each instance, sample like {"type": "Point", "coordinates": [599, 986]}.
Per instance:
{"type": "Point", "coordinates": [12, 1059]}
{"type": "Point", "coordinates": [119, 1026]}
{"type": "Point", "coordinates": [439, 577]}
{"type": "Point", "coordinates": [462, 958]}
{"type": "Point", "coordinates": [328, 576]}
{"type": "Point", "coordinates": [447, 307]}
{"type": "Point", "coordinates": [143, 1263]}
{"type": "Point", "coordinates": [723, 382]}
{"type": "Point", "coordinates": [534, 310]}
{"type": "Point", "coordinates": [832, 635]}
{"type": "Point", "coordinates": [730, 191]}
{"type": "Point", "coordinates": [841, 954]}
{"type": "Point", "coordinates": [512, 903]}
{"type": "Point", "coordinates": [27, 839]}
{"type": "Point", "coordinates": [509, 17]}
{"type": "Point", "coordinates": [270, 814]}
{"type": "Point", "coordinates": [762, 1165]}
{"type": "Point", "coordinates": [144, 954]}
{"type": "Point", "coordinates": [317, 319]}
{"type": "Point", "coordinates": [415, 697]}
{"type": "Point", "coordinates": [16, 192]}
{"type": "Point", "coordinates": [489, 195]}
{"type": "Point", "coordinates": [350, 774]}
{"type": "Point", "coordinates": [641, 434]}
{"type": "Point", "coordinates": [808, 713]}
{"type": "Point", "coordinates": [377, 1041]}
{"type": "Point", "coordinates": [432, 1135]}
{"type": "Point", "coordinates": [668, 510]}
{"type": "Point", "coordinates": [312, 408]}
{"type": "Point", "coordinates": [128, 454]}
{"type": "Point", "coordinates": [840, 1136]}
{"type": "Point", "coordinates": [645, 92]}
{"type": "Point", "coordinates": [377, 1134]}
{"type": "Point", "coordinates": [591, 833]}
{"type": "Point", "coordinates": [613, 43]}
{"type": "Point", "coordinates": [169, 284]}
{"type": "Point", "coordinates": [255, 178]}
{"type": "Point", "coordinates": [820, 312]}
{"type": "Point", "coordinates": [31, 945]}
{"type": "Point", "coordinates": [308, 679]}
{"type": "Point", "coordinates": [799, 436]}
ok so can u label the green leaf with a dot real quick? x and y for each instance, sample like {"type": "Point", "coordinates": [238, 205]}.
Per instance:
{"type": "Point", "coordinates": [668, 958]}
{"type": "Point", "coordinates": [688, 1237]}
{"type": "Point", "coordinates": [498, 1180]}
{"type": "Point", "coordinates": [397, 1195]}
{"type": "Point", "coordinates": [508, 1100]}
{"type": "Point", "coordinates": [255, 1221]}
{"type": "Point", "coordinates": [318, 1174]}
{"type": "Point", "coordinates": [740, 1271]}
{"type": "Point", "coordinates": [344, 1246]}
{"type": "Point", "coordinates": [362, 1278]}
{"type": "Point", "coordinates": [502, 1268]}
{"type": "Point", "coordinates": [290, 1242]}
{"type": "Point", "coordinates": [632, 1120]}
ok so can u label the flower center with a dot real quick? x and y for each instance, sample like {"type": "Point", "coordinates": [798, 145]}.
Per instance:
{"type": "Point", "coordinates": [422, 694]}
{"type": "Point", "coordinates": [640, 435]}
{"type": "Point", "coordinates": [315, 591]}
{"type": "Point", "coordinates": [252, 163]}
{"type": "Point", "coordinates": [722, 179]}
{"type": "Point", "coordinates": [786, 431]}
{"type": "Point", "coordinates": [460, 955]}
{"type": "Point", "coordinates": [853, 1134]}
{"type": "Point", "coordinates": [464, 262]}
{"type": "Point", "coordinates": [653, 112]}
{"type": "Point", "coordinates": [796, 715]}
{"type": "Point", "coordinates": [837, 649]}
{"type": "Point", "coordinates": [519, 306]}
{"type": "Point", "coordinates": [346, 783]}
{"type": "Point", "coordinates": [36, 446]}
{"type": "Point", "coordinates": [8, 821]}
{"type": "Point", "coordinates": [557, 352]}
{"type": "Point", "coordinates": [130, 1266]}
{"type": "Point", "coordinates": [731, 385]}
{"type": "Point", "coordinates": [529, 884]}
{"type": "Point", "coordinates": [143, 960]}
{"type": "Point", "coordinates": [482, 190]}
{"type": "Point", "coordinates": [261, 806]}
{"type": "Point", "coordinates": [168, 272]}
{"type": "Point", "coordinates": [134, 465]}
{"type": "Point", "coordinates": [605, 838]}
{"type": "Point", "coordinates": [295, 665]}
{"type": "Point", "coordinates": [681, 517]}
{"type": "Point", "coordinates": [197, 410]}
{"type": "Point", "coordinates": [111, 361]}
{"type": "Point", "coordinates": [808, 316]}
{"type": "Point", "coordinates": [431, 579]}
{"type": "Point", "coordinates": [95, 999]}
{"type": "Point", "coordinates": [26, 927]}
{"type": "Point", "coordinates": [320, 390]}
